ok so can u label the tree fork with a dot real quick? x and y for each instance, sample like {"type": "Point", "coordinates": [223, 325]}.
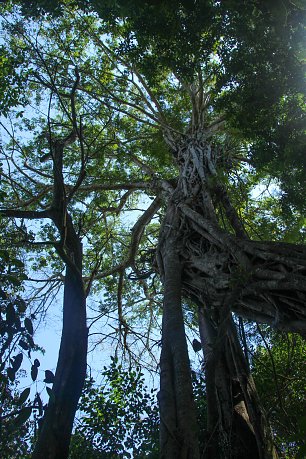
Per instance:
{"type": "Point", "coordinates": [271, 275]}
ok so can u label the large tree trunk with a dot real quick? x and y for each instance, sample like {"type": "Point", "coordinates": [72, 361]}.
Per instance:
{"type": "Point", "coordinates": [178, 426]}
{"type": "Point", "coordinates": [237, 428]}
{"type": "Point", "coordinates": [54, 437]}
{"type": "Point", "coordinates": [55, 434]}
{"type": "Point", "coordinates": [222, 264]}
{"type": "Point", "coordinates": [269, 277]}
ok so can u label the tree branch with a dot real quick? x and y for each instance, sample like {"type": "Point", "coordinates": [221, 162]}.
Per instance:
{"type": "Point", "coordinates": [27, 214]}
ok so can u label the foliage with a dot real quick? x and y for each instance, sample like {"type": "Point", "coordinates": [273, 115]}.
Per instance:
{"type": "Point", "coordinates": [11, 81]}
{"type": "Point", "coordinates": [109, 414]}
{"type": "Point", "coordinates": [280, 375]}
{"type": "Point", "coordinates": [251, 54]}
{"type": "Point", "coordinates": [16, 341]}
{"type": "Point", "coordinates": [118, 419]}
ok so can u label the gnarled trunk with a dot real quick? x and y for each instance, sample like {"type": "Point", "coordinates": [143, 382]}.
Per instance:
{"type": "Point", "coordinates": [178, 427]}
{"type": "Point", "coordinates": [237, 428]}
{"type": "Point", "coordinates": [269, 277]}
{"type": "Point", "coordinates": [221, 264]}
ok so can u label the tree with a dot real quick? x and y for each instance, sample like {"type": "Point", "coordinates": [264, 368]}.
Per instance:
{"type": "Point", "coordinates": [167, 73]}
{"type": "Point", "coordinates": [45, 191]}
{"type": "Point", "coordinates": [71, 368]}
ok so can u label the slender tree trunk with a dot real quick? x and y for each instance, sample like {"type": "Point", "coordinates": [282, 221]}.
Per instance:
{"type": "Point", "coordinates": [178, 426]}
{"type": "Point", "coordinates": [54, 438]}
{"type": "Point", "coordinates": [236, 422]}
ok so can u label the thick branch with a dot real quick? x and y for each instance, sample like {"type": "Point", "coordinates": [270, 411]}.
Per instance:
{"type": "Point", "coordinates": [27, 214]}
{"type": "Point", "coordinates": [137, 232]}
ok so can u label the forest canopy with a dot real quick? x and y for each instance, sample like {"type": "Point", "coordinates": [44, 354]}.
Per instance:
{"type": "Point", "coordinates": [153, 179]}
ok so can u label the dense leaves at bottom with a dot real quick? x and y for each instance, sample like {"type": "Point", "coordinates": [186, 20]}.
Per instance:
{"type": "Point", "coordinates": [16, 344]}
{"type": "Point", "coordinates": [119, 418]}
{"type": "Point", "coordinates": [280, 374]}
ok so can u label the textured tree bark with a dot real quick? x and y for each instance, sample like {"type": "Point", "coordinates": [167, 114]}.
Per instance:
{"type": "Point", "coordinates": [221, 264]}
{"type": "Point", "coordinates": [269, 277]}
{"type": "Point", "coordinates": [54, 437]}
{"type": "Point", "coordinates": [237, 428]}
{"type": "Point", "coordinates": [178, 426]}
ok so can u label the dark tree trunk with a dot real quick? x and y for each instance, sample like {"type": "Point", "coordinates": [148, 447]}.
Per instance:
{"type": "Point", "coordinates": [54, 437]}
{"type": "Point", "coordinates": [55, 434]}
{"type": "Point", "coordinates": [237, 428]}
{"type": "Point", "coordinates": [178, 427]}
{"type": "Point", "coordinates": [220, 263]}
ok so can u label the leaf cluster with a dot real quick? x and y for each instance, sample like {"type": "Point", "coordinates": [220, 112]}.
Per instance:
{"type": "Point", "coordinates": [119, 418]}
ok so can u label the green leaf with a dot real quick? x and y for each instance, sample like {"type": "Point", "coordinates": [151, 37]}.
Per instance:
{"type": "Point", "coordinates": [23, 344]}
{"type": "Point", "coordinates": [21, 305]}
{"type": "Point", "coordinates": [13, 279]}
{"type": "Point", "coordinates": [301, 454]}
{"type": "Point", "coordinates": [10, 314]}
{"type": "Point", "coordinates": [17, 324]}
{"type": "Point", "coordinates": [34, 372]}
{"type": "Point", "coordinates": [17, 362]}
{"type": "Point", "coordinates": [302, 424]}
{"type": "Point", "coordinates": [17, 263]}
{"type": "Point", "coordinates": [4, 254]}
{"type": "Point", "coordinates": [23, 396]}
{"type": "Point", "coordinates": [23, 416]}
{"type": "Point", "coordinates": [11, 374]}
{"type": "Point", "coordinates": [197, 346]}
{"type": "Point", "coordinates": [30, 341]}
{"type": "Point", "coordinates": [28, 325]}
{"type": "Point", "coordinates": [49, 377]}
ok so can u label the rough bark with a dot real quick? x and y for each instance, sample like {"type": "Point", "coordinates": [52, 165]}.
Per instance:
{"type": "Point", "coordinates": [224, 271]}
{"type": "Point", "coordinates": [237, 427]}
{"type": "Point", "coordinates": [178, 427]}
{"type": "Point", "coordinates": [269, 277]}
